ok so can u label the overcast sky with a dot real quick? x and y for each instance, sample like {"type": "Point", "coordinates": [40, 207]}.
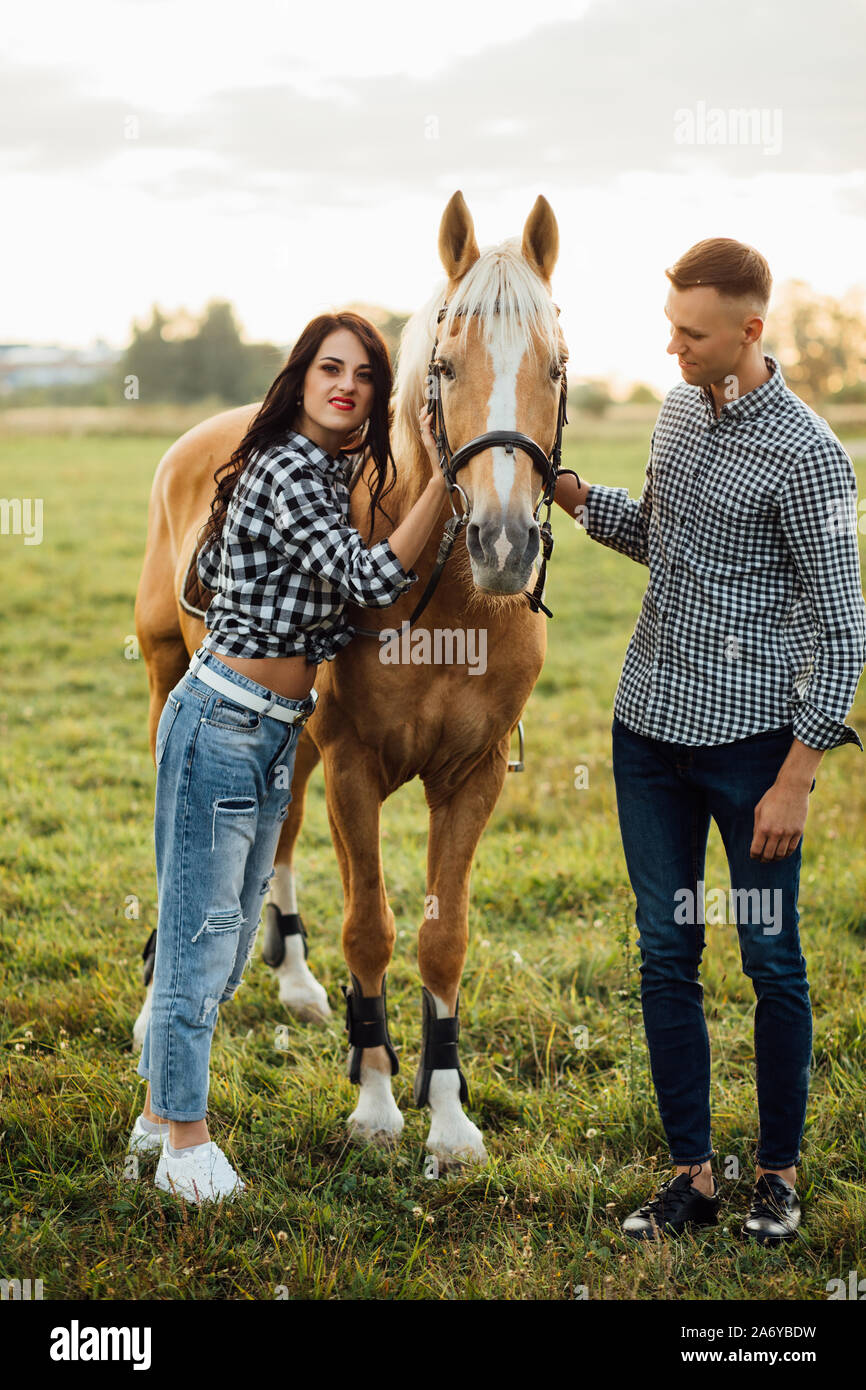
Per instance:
{"type": "Point", "coordinates": [292, 159]}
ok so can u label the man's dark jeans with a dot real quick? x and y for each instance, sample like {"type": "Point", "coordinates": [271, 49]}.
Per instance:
{"type": "Point", "coordinates": [666, 795]}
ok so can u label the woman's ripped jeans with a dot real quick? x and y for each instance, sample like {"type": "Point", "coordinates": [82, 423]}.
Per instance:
{"type": "Point", "coordinates": [223, 788]}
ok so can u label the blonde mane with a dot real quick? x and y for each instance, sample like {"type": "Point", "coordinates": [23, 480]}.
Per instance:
{"type": "Point", "coordinates": [513, 304]}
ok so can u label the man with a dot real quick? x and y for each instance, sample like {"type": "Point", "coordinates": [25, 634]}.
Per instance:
{"type": "Point", "coordinates": [740, 672]}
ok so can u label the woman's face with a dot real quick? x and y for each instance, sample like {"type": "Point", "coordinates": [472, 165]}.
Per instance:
{"type": "Point", "coordinates": [338, 386]}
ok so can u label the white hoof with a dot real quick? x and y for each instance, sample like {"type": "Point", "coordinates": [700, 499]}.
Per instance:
{"type": "Point", "coordinates": [453, 1138]}
{"type": "Point", "coordinates": [139, 1028]}
{"type": "Point", "coordinates": [300, 991]}
{"type": "Point", "coordinates": [376, 1119]}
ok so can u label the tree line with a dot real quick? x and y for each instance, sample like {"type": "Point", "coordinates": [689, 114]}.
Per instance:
{"type": "Point", "coordinates": [180, 358]}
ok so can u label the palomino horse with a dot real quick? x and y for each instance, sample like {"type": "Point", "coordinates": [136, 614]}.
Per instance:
{"type": "Point", "coordinates": [381, 721]}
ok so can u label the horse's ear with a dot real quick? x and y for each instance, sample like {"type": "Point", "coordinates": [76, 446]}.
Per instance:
{"type": "Point", "coordinates": [458, 248]}
{"type": "Point", "coordinates": [541, 238]}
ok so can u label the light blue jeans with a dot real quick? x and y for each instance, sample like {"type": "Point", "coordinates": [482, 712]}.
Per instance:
{"type": "Point", "coordinates": [223, 787]}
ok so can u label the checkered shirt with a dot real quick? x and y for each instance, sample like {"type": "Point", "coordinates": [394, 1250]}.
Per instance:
{"type": "Point", "coordinates": [753, 617]}
{"type": "Point", "coordinates": [288, 561]}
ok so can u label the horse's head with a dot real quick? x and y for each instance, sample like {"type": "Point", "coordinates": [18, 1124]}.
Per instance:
{"type": "Point", "coordinates": [501, 357]}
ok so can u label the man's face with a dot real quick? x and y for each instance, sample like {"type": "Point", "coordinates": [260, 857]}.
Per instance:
{"type": "Point", "coordinates": [709, 332]}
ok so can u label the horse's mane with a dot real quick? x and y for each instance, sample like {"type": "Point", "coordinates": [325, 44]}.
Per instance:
{"type": "Point", "coordinates": [513, 303]}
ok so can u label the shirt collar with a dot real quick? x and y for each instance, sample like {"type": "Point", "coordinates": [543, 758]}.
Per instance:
{"type": "Point", "coordinates": [337, 463]}
{"type": "Point", "coordinates": [753, 402]}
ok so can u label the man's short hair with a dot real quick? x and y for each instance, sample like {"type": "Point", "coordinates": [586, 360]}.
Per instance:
{"type": "Point", "coordinates": [731, 267]}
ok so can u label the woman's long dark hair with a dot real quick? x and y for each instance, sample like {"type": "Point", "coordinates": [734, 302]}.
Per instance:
{"type": "Point", "coordinates": [280, 408]}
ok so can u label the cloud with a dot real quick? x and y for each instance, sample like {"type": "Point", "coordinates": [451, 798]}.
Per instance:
{"type": "Point", "coordinates": [49, 122]}
{"type": "Point", "coordinates": [578, 102]}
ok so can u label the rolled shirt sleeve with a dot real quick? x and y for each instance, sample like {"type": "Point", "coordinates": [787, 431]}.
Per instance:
{"type": "Point", "coordinates": [614, 519]}
{"type": "Point", "coordinates": [317, 542]}
{"type": "Point", "coordinates": [818, 516]}
{"type": "Point", "coordinates": [207, 566]}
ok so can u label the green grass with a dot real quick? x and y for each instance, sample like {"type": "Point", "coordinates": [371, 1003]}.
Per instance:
{"type": "Point", "coordinates": [572, 1131]}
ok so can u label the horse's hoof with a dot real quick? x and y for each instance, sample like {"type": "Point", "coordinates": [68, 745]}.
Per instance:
{"type": "Point", "coordinates": [453, 1137]}
{"type": "Point", "coordinates": [373, 1138]}
{"type": "Point", "coordinates": [310, 1012]}
{"type": "Point", "coordinates": [453, 1162]}
{"type": "Point", "coordinates": [139, 1028]}
{"type": "Point", "coordinates": [379, 1132]}
{"type": "Point", "coordinates": [299, 989]}
{"type": "Point", "coordinates": [308, 1002]}
{"type": "Point", "coordinates": [377, 1124]}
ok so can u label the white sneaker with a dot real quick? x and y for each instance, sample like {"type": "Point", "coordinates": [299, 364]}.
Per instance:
{"type": "Point", "coordinates": [201, 1174]}
{"type": "Point", "coordinates": [142, 1142]}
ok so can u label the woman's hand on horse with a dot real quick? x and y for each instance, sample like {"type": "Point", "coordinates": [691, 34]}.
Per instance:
{"type": "Point", "coordinates": [425, 420]}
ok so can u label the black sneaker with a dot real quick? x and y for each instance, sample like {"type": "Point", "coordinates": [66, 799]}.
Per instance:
{"type": "Point", "coordinates": [774, 1214]}
{"type": "Point", "coordinates": [675, 1206]}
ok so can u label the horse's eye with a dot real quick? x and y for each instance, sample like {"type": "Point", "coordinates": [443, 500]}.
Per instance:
{"type": "Point", "coordinates": [446, 369]}
{"type": "Point", "coordinates": [556, 371]}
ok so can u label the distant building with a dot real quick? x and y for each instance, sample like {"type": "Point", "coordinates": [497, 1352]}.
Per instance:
{"type": "Point", "coordinates": [28, 364]}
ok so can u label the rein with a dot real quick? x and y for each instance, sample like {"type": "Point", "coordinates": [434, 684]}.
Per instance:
{"type": "Point", "coordinates": [451, 463]}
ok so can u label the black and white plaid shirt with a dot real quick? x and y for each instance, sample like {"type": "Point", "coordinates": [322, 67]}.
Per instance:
{"type": "Point", "coordinates": [289, 562]}
{"type": "Point", "coordinates": [754, 616]}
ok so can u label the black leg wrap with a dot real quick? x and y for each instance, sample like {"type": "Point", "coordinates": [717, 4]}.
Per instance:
{"type": "Point", "coordinates": [367, 1026]}
{"type": "Point", "coordinates": [438, 1050]}
{"type": "Point", "coordinates": [148, 955]}
{"type": "Point", "coordinates": [279, 925]}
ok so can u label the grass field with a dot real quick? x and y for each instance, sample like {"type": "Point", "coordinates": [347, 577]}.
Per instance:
{"type": "Point", "coordinates": [568, 1116]}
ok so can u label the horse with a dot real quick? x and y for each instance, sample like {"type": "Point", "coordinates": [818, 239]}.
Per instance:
{"type": "Point", "coordinates": [490, 334]}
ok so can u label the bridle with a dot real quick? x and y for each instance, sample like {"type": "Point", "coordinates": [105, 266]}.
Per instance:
{"type": "Point", "coordinates": [451, 463]}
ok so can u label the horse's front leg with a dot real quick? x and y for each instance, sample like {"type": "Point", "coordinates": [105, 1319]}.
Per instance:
{"type": "Point", "coordinates": [354, 811]}
{"type": "Point", "coordinates": [456, 824]}
{"type": "Point", "coordinates": [284, 946]}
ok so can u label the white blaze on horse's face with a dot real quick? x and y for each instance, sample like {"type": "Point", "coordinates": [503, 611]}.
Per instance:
{"type": "Point", "coordinates": [502, 412]}
{"type": "Point", "coordinates": [497, 382]}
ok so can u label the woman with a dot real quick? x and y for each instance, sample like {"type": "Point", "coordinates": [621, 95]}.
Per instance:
{"type": "Point", "coordinates": [282, 561]}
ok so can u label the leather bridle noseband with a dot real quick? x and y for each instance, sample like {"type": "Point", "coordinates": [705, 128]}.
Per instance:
{"type": "Point", "coordinates": [451, 463]}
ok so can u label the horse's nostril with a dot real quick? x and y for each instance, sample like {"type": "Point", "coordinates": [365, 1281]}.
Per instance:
{"type": "Point", "coordinates": [473, 544]}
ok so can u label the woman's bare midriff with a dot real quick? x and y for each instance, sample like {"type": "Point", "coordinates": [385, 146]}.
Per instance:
{"type": "Point", "coordinates": [291, 676]}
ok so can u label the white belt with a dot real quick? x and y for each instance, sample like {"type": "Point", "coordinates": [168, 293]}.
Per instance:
{"type": "Point", "coordinates": [241, 696]}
